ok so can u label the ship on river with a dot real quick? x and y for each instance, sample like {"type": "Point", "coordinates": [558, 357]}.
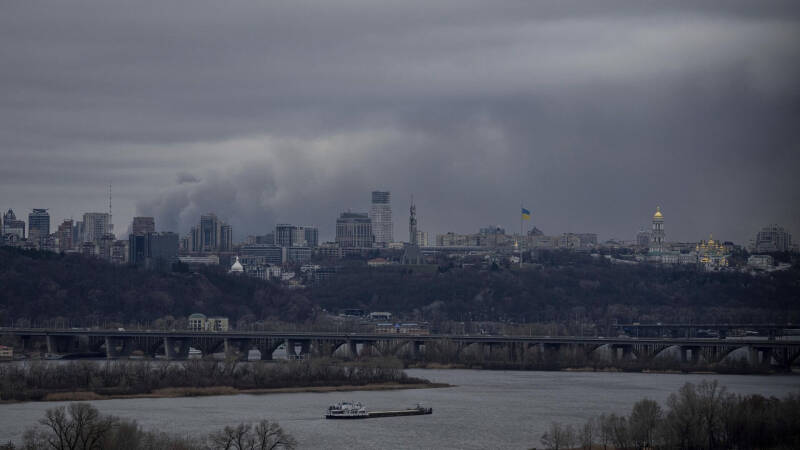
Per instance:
{"type": "Point", "coordinates": [350, 410]}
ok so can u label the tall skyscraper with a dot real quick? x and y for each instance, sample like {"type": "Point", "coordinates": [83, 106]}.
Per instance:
{"type": "Point", "coordinates": [380, 214]}
{"type": "Point", "coordinates": [354, 230]}
{"type": "Point", "coordinates": [13, 226]}
{"type": "Point", "coordinates": [211, 235]}
{"type": "Point", "coordinates": [95, 226]}
{"type": "Point", "coordinates": [283, 235]}
{"type": "Point", "coordinates": [295, 236]}
{"type": "Point", "coordinates": [143, 225]}
{"type": "Point", "coordinates": [657, 234]}
{"type": "Point", "coordinates": [225, 237]}
{"type": "Point", "coordinates": [311, 236]}
{"type": "Point", "coordinates": [38, 224]}
{"type": "Point", "coordinates": [64, 235]}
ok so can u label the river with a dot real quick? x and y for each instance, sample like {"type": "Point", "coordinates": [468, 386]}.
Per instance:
{"type": "Point", "coordinates": [486, 409]}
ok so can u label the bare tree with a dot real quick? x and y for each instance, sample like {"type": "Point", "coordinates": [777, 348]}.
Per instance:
{"type": "Point", "coordinates": [588, 433]}
{"type": "Point", "coordinates": [265, 435]}
{"type": "Point", "coordinates": [558, 437]}
{"type": "Point", "coordinates": [270, 435]}
{"type": "Point", "coordinates": [644, 421]}
{"type": "Point", "coordinates": [77, 427]}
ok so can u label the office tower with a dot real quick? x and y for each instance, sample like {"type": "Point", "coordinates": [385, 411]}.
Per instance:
{"type": "Point", "coordinates": [64, 235]}
{"type": "Point", "coordinates": [380, 214]}
{"type": "Point", "coordinates": [153, 251]}
{"type": "Point", "coordinates": [298, 237]}
{"type": "Point", "coordinates": [38, 225]}
{"type": "Point", "coordinates": [209, 232]}
{"type": "Point", "coordinates": [772, 238]}
{"type": "Point", "coordinates": [225, 237]}
{"type": "Point", "coordinates": [95, 226]}
{"type": "Point", "coordinates": [13, 226]}
{"type": "Point", "coordinates": [143, 225]}
{"type": "Point", "coordinates": [311, 236]}
{"type": "Point", "coordinates": [354, 230]}
{"type": "Point", "coordinates": [77, 233]}
{"type": "Point", "coordinates": [283, 235]}
{"type": "Point", "coordinates": [287, 235]}
{"type": "Point", "coordinates": [657, 235]}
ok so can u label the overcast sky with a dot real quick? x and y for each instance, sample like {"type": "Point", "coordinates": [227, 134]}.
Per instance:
{"type": "Point", "coordinates": [592, 113]}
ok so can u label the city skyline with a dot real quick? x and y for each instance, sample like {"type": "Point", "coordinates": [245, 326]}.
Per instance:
{"type": "Point", "coordinates": [234, 237]}
{"type": "Point", "coordinates": [591, 115]}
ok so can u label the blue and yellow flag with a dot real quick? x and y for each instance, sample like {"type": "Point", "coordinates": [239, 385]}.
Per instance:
{"type": "Point", "coordinates": [526, 215]}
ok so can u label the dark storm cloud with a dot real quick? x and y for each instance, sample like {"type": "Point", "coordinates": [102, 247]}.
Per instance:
{"type": "Point", "coordinates": [592, 113]}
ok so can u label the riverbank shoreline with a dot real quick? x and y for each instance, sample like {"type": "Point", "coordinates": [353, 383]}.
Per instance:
{"type": "Point", "coordinates": [225, 390]}
{"type": "Point", "coordinates": [457, 366]}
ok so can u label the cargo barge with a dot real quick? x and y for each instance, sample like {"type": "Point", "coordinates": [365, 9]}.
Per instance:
{"type": "Point", "coordinates": [348, 410]}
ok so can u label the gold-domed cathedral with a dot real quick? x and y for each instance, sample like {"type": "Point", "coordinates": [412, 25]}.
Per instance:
{"type": "Point", "coordinates": [712, 254]}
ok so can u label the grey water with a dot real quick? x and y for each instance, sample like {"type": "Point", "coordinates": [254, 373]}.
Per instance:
{"type": "Point", "coordinates": [485, 409]}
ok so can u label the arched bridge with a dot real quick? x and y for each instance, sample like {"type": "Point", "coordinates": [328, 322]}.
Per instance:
{"type": "Point", "coordinates": [176, 344]}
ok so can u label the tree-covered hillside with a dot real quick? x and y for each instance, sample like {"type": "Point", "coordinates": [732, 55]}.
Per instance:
{"type": "Point", "coordinates": [40, 285]}
{"type": "Point", "coordinates": [562, 287]}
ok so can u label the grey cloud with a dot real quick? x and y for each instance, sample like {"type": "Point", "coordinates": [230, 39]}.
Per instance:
{"type": "Point", "coordinates": [186, 177]}
{"type": "Point", "coordinates": [590, 112]}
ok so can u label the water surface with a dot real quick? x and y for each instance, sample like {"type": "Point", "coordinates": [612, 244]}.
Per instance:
{"type": "Point", "coordinates": [487, 409]}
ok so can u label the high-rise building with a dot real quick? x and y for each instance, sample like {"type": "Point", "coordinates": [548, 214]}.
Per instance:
{"type": "Point", "coordinates": [772, 238]}
{"type": "Point", "coordinates": [380, 214]}
{"type": "Point", "coordinates": [95, 226]}
{"type": "Point", "coordinates": [153, 251]}
{"type": "Point", "coordinates": [287, 235]}
{"type": "Point", "coordinates": [77, 233]}
{"type": "Point", "coordinates": [38, 224]}
{"type": "Point", "coordinates": [311, 236]}
{"type": "Point", "coordinates": [354, 230]}
{"type": "Point", "coordinates": [283, 234]}
{"type": "Point", "coordinates": [225, 237]}
{"type": "Point", "coordinates": [298, 237]}
{"type": "Point", "coordinates": [209, 232]}
{"type": "Point", "coordinates": [212, 235]}
{"type": "Point", "coordinates": [64, 235]}
{"type": "Point", "coordinates": [143, 225]}
{"type": "Point", "coordinates": [13, 226]}
{"type": "Point", "coordinates": [422, 238]}
{"type": "Point", "coordinates": [657, 234]}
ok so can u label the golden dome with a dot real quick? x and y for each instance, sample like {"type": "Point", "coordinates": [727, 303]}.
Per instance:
{"type": "Point", "coordinates": [658, 214]}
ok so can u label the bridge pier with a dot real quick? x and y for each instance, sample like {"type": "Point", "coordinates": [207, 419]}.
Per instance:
{"type": "Point", "coordinates": [690, 354]}
{"type": "Point", "coordinates": [118, 347]}
{"type": "Point", "coordinates": [761, 356]}
{"type": "Point", "coordinates": [176, 348]}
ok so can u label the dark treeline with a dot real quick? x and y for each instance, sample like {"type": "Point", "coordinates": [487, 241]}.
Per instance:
{"type": "Point", "coordinates": [39, 286]}
{"type": "Point", "coordinates": [80, 426]}
{"type": "Point", "coordinates": [36, 380]}
{"type": "Point", "coordinates": [562, 287]}
{"type": "Point", "coordinates": [565, 287]}
{"type": "Point", "coordinates": [703, 416]}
